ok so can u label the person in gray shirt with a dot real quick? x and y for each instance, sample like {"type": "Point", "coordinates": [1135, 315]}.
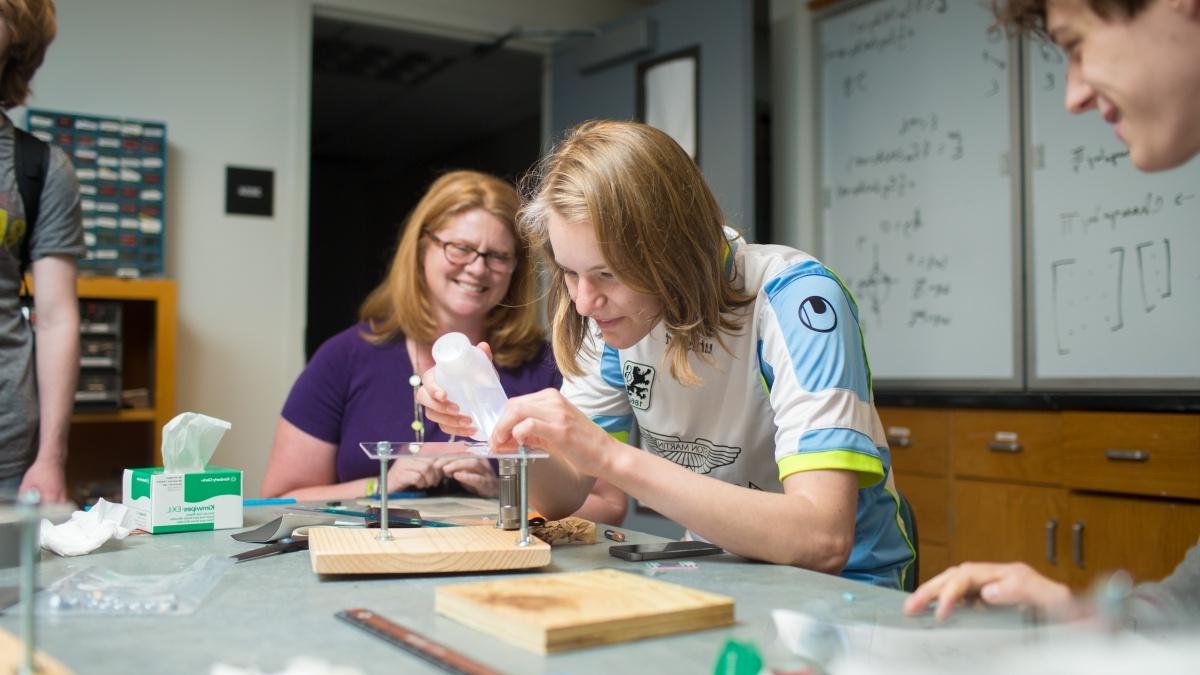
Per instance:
{"type": "Point", "coordinates": [1136, 62]}
{"type": "Point", "coordinates": [37, 375]}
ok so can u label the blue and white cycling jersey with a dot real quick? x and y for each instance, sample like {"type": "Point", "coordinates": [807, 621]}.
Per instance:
{"type": "Point", "coordinates": [792, 392]}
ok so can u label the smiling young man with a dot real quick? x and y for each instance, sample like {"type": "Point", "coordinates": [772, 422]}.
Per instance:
{"type": "Point", "coordinates": [1137, 63]}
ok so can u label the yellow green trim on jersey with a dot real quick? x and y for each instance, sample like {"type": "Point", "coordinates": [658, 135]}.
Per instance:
{"type": "Point", "coordinates": [900, 524]}
{"type": "Point", "coordinates": [869, 469]}
{"type": "Point", "coordinates": [622, 436]}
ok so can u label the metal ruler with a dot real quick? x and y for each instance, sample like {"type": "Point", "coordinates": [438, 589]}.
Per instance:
{"type": "Point", "coordinates": [416, 644]}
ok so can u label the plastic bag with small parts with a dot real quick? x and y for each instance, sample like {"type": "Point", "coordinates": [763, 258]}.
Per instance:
{"type": "Point", "coordinates": [96, 590]}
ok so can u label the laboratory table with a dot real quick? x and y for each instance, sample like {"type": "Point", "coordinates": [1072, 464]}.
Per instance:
{"type": "Point", "coordinates": [265, 612]}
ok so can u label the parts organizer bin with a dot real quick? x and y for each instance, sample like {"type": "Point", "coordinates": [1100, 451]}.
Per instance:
{"type": "Point", "coordinates": [121, 165]}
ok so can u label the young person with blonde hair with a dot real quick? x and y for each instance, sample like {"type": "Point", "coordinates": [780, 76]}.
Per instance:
{"type": "Point", "coordinates": [740, 367]}
{"type": "Point", "coordinates": [38, 371]}
{"type": "Point", "coordinates": [1137, 63]}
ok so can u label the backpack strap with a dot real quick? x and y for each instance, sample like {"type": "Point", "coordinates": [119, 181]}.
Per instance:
{"type": "Point", "coordinates": [32, 161]}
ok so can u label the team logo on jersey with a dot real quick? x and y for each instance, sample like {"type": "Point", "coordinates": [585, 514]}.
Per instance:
{"type": "Point", "coordinates": [816, 313]}
{"type": "Point", "coordinates": [700, 455]}
{"type": "Point", "coordinates": [638, 380]}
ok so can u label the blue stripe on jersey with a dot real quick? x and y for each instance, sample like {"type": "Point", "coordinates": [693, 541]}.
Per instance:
{"type": "Point", "coordinates": [819, 321]}
{"type": "Point", "coordinates": [881, 553]}
{"type": "Point", "coordinates": [610, 368]}
{"type": "Point", "coordinates": [765, 369]}
{"type": "Point", "coordinates": [818, 440]}
{"type": "Point", "coordinates": [614, 424]}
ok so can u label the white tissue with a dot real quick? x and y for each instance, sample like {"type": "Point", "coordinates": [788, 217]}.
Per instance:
{"type": "Point", "coordinates": [189, 440]}
{"type": "Point", "coordinates": [86, 531]}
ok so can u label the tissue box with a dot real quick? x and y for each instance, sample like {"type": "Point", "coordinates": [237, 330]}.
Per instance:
{"type": "Point", "coordinates": [166, 502]}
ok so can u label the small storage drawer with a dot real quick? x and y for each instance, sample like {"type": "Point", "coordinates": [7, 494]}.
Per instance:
{"type": "Point", "coordinates": [98, 390]}
{"type": "Point", "coordinates": [1134, 453]}
{"type": "Point", "coordinates": [99, 317]}
{"type": "Point", "coordinates": [99, 351]}
{"type": "Point", "coordinates": [1009, 445]}
{"type": "Point", "coordinates": [919, 439]}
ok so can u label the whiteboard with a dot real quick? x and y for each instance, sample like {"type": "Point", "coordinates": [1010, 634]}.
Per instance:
{"type": "Point", "coordinates": [1113, 253]}
{"type": "Point", "coordinates": [916, 128]}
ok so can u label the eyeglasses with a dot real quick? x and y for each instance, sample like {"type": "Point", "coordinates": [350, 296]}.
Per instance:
{"type": "Point", "coordinates": [460, 254]}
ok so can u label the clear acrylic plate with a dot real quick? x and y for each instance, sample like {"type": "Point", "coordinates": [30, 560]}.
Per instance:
{"type": "Point", "coordinates": [430, 449]}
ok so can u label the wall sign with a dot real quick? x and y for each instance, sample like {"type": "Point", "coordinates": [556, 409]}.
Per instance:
{"type": "Point", "coordinates": [249, 192]}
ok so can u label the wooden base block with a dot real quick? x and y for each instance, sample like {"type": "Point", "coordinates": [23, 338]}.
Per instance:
{"type": "Point", "coordinates": [12, 652]}
{"type": "Point", "coordinates": [339, 550]}
{"type": "Point", "coordinates": [558, 612]}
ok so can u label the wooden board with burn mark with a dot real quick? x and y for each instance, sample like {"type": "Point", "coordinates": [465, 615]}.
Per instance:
{"type": "Point", "coordinates": [338, 550]}
{"type": "Point", "coordinates": [581, 609]}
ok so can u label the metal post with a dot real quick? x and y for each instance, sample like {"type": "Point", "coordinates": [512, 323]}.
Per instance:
{"type": "Point", "coordinates": [27, 509]}
{"type": "Point", "coordinates": [523, 481]}
{"type": "Point", "coordinates": [384, 450]}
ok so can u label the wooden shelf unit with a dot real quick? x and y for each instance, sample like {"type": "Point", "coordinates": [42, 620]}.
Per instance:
{"type": "Point", "coordinates": [104, 442]}
{"type": "Point", "coordinates": [149, 347]}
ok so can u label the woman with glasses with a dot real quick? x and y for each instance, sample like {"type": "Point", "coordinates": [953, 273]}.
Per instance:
{"type": "Point", "coordinates": [459, 267]}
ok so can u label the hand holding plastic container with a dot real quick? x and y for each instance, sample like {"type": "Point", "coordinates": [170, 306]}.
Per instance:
{"type": "Point", "coordinates": [470, 380]}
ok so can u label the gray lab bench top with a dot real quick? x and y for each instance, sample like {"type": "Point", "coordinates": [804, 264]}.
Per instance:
{"type": "Point", "coordinates": [265, 612]}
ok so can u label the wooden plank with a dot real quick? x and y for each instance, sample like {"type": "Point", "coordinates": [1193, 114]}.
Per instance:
{"type": "Point", "coordinates": [581, 609]}
{"type": "Point", "coordinates": [12, 652]}
{"type": "Point", "coordinates": [337, 550]}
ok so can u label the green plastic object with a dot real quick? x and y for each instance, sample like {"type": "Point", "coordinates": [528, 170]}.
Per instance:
{"type": "Point", "coordinates": [738, 658]}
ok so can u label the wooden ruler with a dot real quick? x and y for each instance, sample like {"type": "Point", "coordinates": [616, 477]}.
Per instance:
{"type": "Point", "coordinates": [436, 653]}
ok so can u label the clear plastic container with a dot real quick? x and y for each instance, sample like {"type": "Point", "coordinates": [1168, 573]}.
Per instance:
{"type": "Point", "coordinates": [470, 380]}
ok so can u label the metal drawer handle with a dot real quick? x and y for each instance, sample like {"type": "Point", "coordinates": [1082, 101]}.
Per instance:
{"type": "Point", "coordinates": [1126, 455]}
{"type": "Point", "coordinates": [1077, 536]}
{"type": "Point", "coordinates": [1051, 545]}
{"type": "Point", "coordinates": [899, 437]}
{"type": "Point", "coordinates": [1005, 446]}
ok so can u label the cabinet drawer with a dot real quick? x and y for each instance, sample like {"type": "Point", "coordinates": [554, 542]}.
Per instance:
{"type": "Point", "coordinates": [919, 438]}
{"type": "Point", "coordinates": [1022, 446]}
{"type": "Point", "coordinates": [930, 500]}
{"type": "Point", "coordinates": [1137, 453]}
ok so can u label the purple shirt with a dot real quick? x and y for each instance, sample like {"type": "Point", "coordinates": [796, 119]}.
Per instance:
{"type": "Point", "coordinates": [353, 391]}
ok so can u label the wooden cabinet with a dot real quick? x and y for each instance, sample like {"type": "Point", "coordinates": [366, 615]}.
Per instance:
{"type": "Point", "coordinates": [1146, 537]}
{"type": "Point", "coordinates": [1019, 446]}
{"type": "Point", "coordinates": [1156, 455]}
{"type": "Point", "coordinates": [1005, 521]}
{"type": "Point", "coordinates": [103, 443]}
{"type": "Point", "coordinates": [919, 439]}
{"type": "Point", "coordinates": [919, 442]}
{"type": "Point", "coordinates": [1073, 494]}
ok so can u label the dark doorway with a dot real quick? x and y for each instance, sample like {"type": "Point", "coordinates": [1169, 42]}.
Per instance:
{"type": "Point", "coordinates": [391, 110]}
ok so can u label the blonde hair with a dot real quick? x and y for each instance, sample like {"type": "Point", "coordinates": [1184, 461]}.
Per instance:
{"type": "Point", "coordinates": [31, 29]}
{"type": "Point", "coordinates": [658, 225]}
{"type": "Point", "coordinates": [401, 302]}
